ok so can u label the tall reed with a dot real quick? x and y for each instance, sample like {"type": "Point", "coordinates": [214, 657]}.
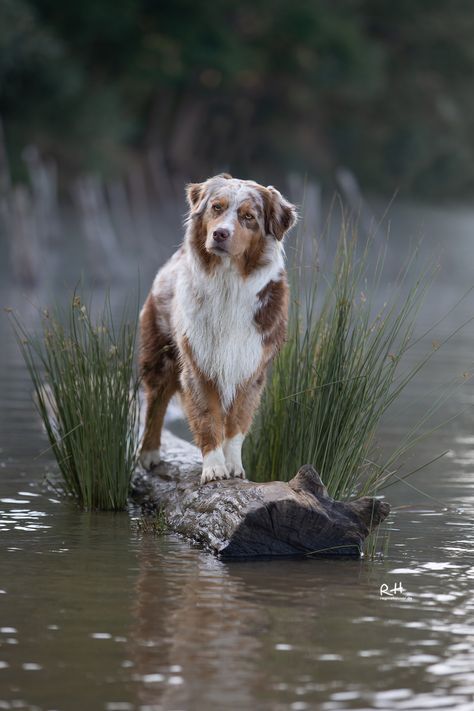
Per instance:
{"type": "Point", "coordinates": [82, 369]}
{"type": "Point", "coordinates": [342, 367]}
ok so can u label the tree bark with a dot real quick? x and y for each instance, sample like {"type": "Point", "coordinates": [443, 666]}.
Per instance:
{"type": "Point", "coordinates": [237, 518]}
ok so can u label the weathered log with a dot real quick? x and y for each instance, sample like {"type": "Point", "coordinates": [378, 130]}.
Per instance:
{"type": "Point", "coordinates": [236, 518]}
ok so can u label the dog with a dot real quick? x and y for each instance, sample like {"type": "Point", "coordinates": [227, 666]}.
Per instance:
{"type": "Point", "coordinates": [215, 318]}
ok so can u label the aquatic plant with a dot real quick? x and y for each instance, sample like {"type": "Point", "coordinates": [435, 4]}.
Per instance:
{"type": "Point", "coordinates": [86, 392]}
{"type": "Point", "coordinates": [344, 364]}
{"type": "Point", "coordinates": [154, 523]}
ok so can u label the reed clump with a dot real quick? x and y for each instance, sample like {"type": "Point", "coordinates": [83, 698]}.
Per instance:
{"type": "Point", "coordinates": [86, 392]}
{"type": "Point", "coordinates": [343, 366]}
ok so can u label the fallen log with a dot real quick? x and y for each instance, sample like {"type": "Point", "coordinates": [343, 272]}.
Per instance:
{"type": "Point", "coordinates": [237, 518]}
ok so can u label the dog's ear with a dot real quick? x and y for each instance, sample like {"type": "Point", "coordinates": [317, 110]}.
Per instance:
{"type": "Point", "coordinates": [194, 194]}
{"type": "Point", "coordinates": [280, 215]}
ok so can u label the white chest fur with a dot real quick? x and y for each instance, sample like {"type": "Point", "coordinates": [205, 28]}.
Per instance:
{"type": "Point", "coordinates": [216, 314]}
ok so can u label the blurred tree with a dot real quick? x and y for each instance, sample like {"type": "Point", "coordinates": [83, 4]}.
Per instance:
{"type": "Point", "coordinates": [48, 97]}
{"type": "Point", "coordinates": [259, 86]}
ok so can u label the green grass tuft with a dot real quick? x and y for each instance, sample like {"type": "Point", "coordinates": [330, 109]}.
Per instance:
{"type": "Point", "coordinates": [342, 367]}
{"type": "Point", "coordinates": [82, 369]}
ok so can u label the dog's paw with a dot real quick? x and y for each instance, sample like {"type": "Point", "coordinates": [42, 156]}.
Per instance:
{"type": "Point", "coordinates": [237, 472]}
{"type": "Point", "coordinates": [215, 472]}
{"type": "Point", "coordinates": [150, 458]}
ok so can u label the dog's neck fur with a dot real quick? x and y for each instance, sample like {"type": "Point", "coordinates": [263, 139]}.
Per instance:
{"type": "Point", "coordinates": [216, 311]}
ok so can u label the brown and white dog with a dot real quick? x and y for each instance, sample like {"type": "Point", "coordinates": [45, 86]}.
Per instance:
{"type": "Point", "coordinates": [215, 318]}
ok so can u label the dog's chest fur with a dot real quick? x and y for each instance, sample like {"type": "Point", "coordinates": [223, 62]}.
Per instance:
{"type": "Point", "coordinates": [216, 314]}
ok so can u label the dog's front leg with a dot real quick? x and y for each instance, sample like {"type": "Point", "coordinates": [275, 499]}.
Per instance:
{"type": "Point", "coordinates": [233, 454]}
{"type": "Point", "coordinates": [238, 421]}
{"type": "Point", "coordinates": [203, 408]}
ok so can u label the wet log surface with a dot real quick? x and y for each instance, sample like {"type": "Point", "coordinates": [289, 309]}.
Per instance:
{"type": "Point", "coordinates": [237, 518]}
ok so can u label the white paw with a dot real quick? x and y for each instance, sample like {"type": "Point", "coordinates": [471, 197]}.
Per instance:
{"type": "Point", "coordinates": [214, 472]}
{"type": "Point", "coordinates": [150, 458]}
{"type": "Point", "coordinates": [237, 471]}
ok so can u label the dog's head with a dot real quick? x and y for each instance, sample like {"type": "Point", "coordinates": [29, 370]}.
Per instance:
{"type": "Point", "coordinates": [238, 216]}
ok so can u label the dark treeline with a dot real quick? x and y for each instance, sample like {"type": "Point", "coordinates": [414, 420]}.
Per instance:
{"type": "Point", "coordinates": [257, 86]}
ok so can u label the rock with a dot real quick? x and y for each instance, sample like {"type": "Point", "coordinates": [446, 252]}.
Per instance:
{"type": "Point", "coordinates": [236, 518]}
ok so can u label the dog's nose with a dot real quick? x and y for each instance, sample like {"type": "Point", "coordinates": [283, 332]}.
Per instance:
{"type": "Point", "coordinates": [220, 235]}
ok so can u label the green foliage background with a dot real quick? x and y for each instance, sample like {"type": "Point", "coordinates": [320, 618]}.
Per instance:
{"type": "Point", "coordinates": [258, 86]}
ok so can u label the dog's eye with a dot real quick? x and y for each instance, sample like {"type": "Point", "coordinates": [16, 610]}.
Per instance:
{"type": "Point", "coordinates": [248, 216]}
{"type": "Point", "coordinates": [217, 207]}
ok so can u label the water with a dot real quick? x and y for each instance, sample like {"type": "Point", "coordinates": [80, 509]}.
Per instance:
{"type": "Point", "coordinates": [94, 615]}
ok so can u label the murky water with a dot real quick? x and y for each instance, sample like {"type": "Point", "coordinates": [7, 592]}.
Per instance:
{"type": "Point", "coordinates": [95, 616]}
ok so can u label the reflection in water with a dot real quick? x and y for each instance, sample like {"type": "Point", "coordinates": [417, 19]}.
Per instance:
{"type": "Point", "coordinates": [193, 639]}
{"type": "Point", "coordinates": [291, 632]}
{"type": "Point", "coordinates": [93, 616]}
